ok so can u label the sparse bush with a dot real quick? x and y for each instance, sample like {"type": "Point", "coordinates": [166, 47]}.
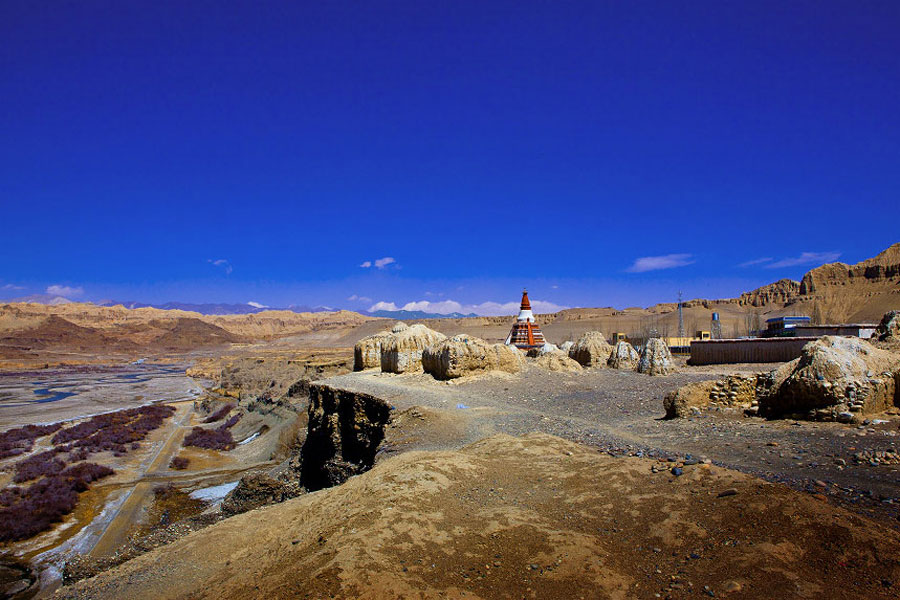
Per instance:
{"type": "Point", "coordinates": [113, 431]}
{"type": "Point", "coordinates": [179, 463]}
{"type": "Point", "coordinates": [21, 439]}
{"type": "Point", "coordinates": [42, 464]}
{"type": "Point", "coordinates": [211, 439]}
{"type": "Point", "coordinates": [231, 422]}
{"type": "Point", "coordinates": [28, 511]}
{"type": "Point", "coordinates": [219, 414]}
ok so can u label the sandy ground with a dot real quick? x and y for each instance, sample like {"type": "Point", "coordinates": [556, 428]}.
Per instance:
{"type": "Point", "coordinates": [530, 517]}
{"type": "Point", "coordinates": [622, 412]}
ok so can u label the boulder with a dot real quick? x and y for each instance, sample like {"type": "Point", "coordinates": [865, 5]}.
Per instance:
{"type": "Point", "coordinates": [734, 390]}
{"type": "Point", "coordinates": [889, 328]}
{"type": "Point", "coordinates": [402, 352]}
{"type": "Point", "coordinates": [679, 404]}
{"type": "Point", "coordinates": [566, 346]}
{"type": "Point", "coordinates": [399, 326]}
{"type": "Point", "coordinates": [545, 349]}
{"type": "Point", "coordinates": [367, 351]}
{"type": "Point", "coordinates": [258, 489]}
{"type": "Point", "coordinates": [655, 358]}
{"type": "Point", "coordinates": [835, 378]}
{"type": "Point", "coordinates": [463, 355]}
{"type": "Point", "coordinates": [623, 356]}
{"type": "Point", "coordinates": [557, 360]}
{"type": "Point", "coordinates": [591, 350]}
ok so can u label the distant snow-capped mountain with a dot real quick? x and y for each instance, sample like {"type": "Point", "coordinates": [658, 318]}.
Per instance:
{"type": "Point", "coordinates": [409, 315]}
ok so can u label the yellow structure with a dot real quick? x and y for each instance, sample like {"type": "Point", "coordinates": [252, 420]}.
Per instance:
{"type": "Point", "coordinates": [617, 337]}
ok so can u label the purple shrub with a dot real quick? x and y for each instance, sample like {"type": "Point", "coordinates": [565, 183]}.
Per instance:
{"type": "Point", "coordinates": [43, 464]}
{"type": "Point", "coordinates": [211, 439]}
{"type": "Point", "coordinates": [114, 431]}
{"type": "Point", "coordinates": [219, 414]}
{"type": "Point", "coordinates": [231, 422]}
{"type": "Point", "coordinates": [25, 512]}
{"type": "Point", "coordinates": [21, 439]}
{"type": "Point", "coordinates": [81, 476]}
{"type": "Point", "coordinates": [10, 495]}
{"type": "Point", "coordinates": [179, 463]}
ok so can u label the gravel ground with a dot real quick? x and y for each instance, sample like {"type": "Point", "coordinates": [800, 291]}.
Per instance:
{"type": "Point", "coordinates": [622, 413]}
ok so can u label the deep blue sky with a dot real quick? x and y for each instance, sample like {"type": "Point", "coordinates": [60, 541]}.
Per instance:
{"type": "Point", "coordinates": [484, 146]}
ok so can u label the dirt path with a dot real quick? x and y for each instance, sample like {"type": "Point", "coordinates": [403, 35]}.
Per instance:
{"type": "Point", "coordinates": [110, 533]}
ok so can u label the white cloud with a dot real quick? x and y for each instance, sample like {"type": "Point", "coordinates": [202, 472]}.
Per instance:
{"type": "Point", "coordinates": [257, 304]}
{"type": "Point", "coordinates": [486, 309]}
{"type": "Point", "coordinates": [355, 298]}
{"type": "Point", "coordinates": [379, 263]}
{"type": "Point", "coordinates": [443, 307]}
{"type": "Point", "coordinates": [655, 263]}
{"type": "Point", "coordinates": [64, 291]}
{"type": "Point", "coordinates": [806, 258]}
{"type": "Point", "coordinates": [10, 286]}
{"type": "Point", "coordinates": [222, 264]}
{"type": "Point", "coordinates": [383, 306]}
{"type": "Point", "coordinates": [756, 261]}
{"type": "Point", "coordinates": [554, 287]}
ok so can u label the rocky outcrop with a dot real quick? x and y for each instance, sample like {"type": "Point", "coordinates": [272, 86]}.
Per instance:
{"type": "Point", "coordinates": [367, 351]}
{"type": "Point", "coordinates": [889, 327]}
{"type": "Point", "coordinates": [655, 358]}
{"type": "Point", "coordinates": [691, 399]}
{"type": "Point", "coordinates": [591, 350]}
{"type": "Point", "coordinates": [623, 356]}
{"type": "Point", "coordinates": [344, 431]}
{"type": "Point", "coordinates": [782, 291]}
{"type": "Point", "coordinates": [463, 355]}
{"type": "Point", "coordinates": [884, 267]}
{"type": "Point", "coordinates": [402, 353]}
{"type": "Point", "coordinates": [557, 360]}
{"type": "Point", "coordinates": [688, 399]}
{"type": "Point", "coordinates": [837, 292]}
{"type": "Point", "coordinates": [566, 346]}
{"type": "Point", "coordinates": [835, 378]}
{"type": "Point", "coordinates": [258, 489]}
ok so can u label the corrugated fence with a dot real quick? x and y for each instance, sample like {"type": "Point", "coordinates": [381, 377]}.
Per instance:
{"type": "Point", "coordinates": [758, 350]}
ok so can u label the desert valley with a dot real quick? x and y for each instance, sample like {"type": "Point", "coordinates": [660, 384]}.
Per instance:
{"type": "Point", "coordinates": [456, 300]}
{"type": "Point", "coordinates": [154, 453]}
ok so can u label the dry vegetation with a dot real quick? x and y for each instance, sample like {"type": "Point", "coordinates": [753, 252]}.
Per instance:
{"type": "Point", "coordinates": [27, 511]}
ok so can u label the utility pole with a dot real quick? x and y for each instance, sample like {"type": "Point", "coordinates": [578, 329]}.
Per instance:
{"type": "Point", "coordinates": [680, 318]}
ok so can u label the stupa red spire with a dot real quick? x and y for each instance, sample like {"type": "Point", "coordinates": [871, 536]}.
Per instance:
{"type": "Point", "coordinates": [525, 333]}
{"type": "Point", "coordinates": [526, 305]}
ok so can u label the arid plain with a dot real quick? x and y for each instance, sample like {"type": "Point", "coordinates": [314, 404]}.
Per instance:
{"type": "Point", "coordinates": [279, 470]}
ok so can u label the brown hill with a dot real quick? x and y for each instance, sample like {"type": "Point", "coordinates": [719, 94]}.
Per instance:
{"type": "Point", "coordinates": [831, 293]}
{"type": "Point", "coordinates": [36, 331]}
{"type": "Point", "coordinates": [837, 292]}
{"type": "Point", "coordinates": [530, 517]}
{"type": "Point", "coordinates": [55, 331]}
